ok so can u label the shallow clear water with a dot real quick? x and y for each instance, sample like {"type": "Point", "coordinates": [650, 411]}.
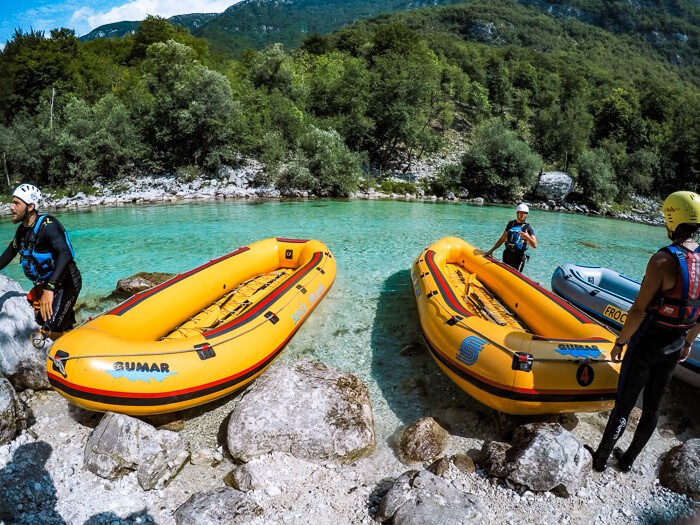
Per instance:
{"type": "Point", "coordinates": [368, 323]}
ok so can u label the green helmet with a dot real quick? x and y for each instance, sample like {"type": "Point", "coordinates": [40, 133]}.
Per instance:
{"type": "Point", "coordinates": [681, 207]}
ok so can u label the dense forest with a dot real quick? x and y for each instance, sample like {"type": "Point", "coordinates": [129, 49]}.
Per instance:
{"type": "Point", "coordinates": [520, 91]}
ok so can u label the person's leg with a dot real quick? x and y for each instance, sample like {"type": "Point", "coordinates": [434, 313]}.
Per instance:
{"type": "Point", "coordinates": [633, 377]}
{"type": "Point", "coordinates": [63, 317]}
{"type": "Point", "coordinates": [653, 392]}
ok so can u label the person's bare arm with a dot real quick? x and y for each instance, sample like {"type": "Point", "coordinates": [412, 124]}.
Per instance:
{"type": "Point", "coordinates": [500, 241]}
{"type": "Point", "coordinates": [656, 279]}
{"type": "Point", "coordinates": [689, 338]}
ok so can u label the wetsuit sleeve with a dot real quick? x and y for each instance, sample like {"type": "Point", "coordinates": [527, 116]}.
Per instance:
{"type": "Point", "coordinates": [530, 230]}
{"type": "Point", "coordinates": [10, 253]}
{"type": "Point", "coordinates": [51, 235]}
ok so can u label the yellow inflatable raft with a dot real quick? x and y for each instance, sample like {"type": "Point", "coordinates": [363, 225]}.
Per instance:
{"type": "Point", "coordinates": [196, 337]}
{"type": "Point", "coordinates": [505, 340]}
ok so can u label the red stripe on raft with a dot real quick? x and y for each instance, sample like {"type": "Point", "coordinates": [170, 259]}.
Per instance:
{"type": "Point", "coordinates": [508, 388]}
{"type": "Point", "coordinates": [126, 395]}
{"type": "Point", "coordinates": [295, 241]}
{"type": "Point", "coordinates": [445, 288]}
{"type": "Point", "coordinates": [137, 298]}
{"type": "Point", "coordinates": [269, 299]}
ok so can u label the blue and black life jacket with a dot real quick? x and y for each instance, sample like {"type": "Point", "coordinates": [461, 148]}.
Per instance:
{"type": "Point", "coordinates": [680, 307]}
{"type": "Point", "coordinates": [515, 241]}
{"type": "Point", "coordinates": [38, 266]}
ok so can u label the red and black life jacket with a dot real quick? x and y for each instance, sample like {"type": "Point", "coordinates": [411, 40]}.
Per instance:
{"type": "Point", "coordinates": [680, 307]}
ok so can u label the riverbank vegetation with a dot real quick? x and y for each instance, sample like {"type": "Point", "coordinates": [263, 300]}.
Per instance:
{"type": "Point", "coordinates": [522, 92]}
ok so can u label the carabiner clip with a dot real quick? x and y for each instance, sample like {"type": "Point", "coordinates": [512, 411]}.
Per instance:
{"type": "Point", "coordinates": [38, 339]}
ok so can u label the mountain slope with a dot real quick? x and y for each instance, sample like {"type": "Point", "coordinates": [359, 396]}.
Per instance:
{"type": "Point", "coordinates": [255, 23]}
{"type": "Point", "coordinates": [193, 22]}
{"type": "Point", "coordinates": [669, 27]}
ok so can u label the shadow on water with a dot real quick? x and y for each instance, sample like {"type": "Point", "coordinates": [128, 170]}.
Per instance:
{"type": "Point", "coordinates": [28, 495]}
{"type": "Point", "coordinates": [411, 382]}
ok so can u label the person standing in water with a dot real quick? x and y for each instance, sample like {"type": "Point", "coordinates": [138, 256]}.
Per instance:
{"type": "Point", "coordinates": [47, 259]}
{"type": "Point", "coordinates": [659, 330]}
{"type": "Point", "coordinates": [518, 236]}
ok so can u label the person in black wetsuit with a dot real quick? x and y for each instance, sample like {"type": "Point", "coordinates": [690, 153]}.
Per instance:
{"type": "Point", "coordinates": [518, 236]}
{"type": "Point", "coordinates": [47, 259]}
{"type": "Point", "coordinates": [659, 330]}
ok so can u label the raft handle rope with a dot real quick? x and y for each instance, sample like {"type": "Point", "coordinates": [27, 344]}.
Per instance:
{"type": "Point", "coordinates": [457, 320]}
{"type": "Point", "coordinates": [59, 361]}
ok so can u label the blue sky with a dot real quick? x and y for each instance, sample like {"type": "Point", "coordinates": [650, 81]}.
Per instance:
{"type": "Point", "coordinates": [84, 16]}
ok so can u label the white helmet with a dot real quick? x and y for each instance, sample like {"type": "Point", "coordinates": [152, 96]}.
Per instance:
{"type": "Point", "coordinates": [28, 194]}
{"type": "Point", "coordinates": [522, 207]}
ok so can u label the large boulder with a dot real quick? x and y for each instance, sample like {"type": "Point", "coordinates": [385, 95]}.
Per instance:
{"type": "Point", "coordinates": [307, 410]}
{"type": "Point", "coordinates": [541, 457]}
{"type": "Point", "coordinates": [554, 185]}
{"type": "Point", "coordinates": [22, 363]}
{"type": "Point", "coordinates": [121, 444]}
{"type": "Point", "coordinates": [680, 469]}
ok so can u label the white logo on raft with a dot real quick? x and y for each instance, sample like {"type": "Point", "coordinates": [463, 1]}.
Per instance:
{"type": "Point", "coordinates": [304, 307]}
{"type": "Point", "coordinates": [416, 283]}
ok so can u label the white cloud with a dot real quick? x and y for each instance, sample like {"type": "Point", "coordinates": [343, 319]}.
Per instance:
{"type": "Point", "coordinates": [140, 9]}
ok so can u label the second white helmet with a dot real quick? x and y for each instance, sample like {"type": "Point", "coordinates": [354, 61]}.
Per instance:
{"type": "Point", "coordinates": [28, 193]}
{"type": "Point", "coordinates": [522, 207]}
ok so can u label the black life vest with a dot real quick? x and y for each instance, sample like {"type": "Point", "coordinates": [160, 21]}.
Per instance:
{"type": "Point", "coordinates": [38, 266]}
{"type": "Point", "coordinates": [680, 307]}
{"type": "Point", "coordinates": [515, 241]}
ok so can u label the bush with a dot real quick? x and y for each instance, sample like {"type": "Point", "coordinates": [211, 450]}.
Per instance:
{"type": "Point", "coordinates": [499, 163]}
{"type": "Point", "coordinates": [596, 178]}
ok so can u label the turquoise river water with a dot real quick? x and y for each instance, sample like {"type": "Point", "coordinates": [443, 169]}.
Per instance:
{"type": "Point", "coordinates": [367, 324]}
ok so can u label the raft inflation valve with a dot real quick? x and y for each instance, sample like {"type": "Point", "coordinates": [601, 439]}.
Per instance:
{"type": "Point", "coordinates": [522, 362]}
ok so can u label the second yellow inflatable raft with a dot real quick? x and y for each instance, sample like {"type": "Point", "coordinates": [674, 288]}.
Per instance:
{"type": "Point", "coordinates": [196, 337]}
{"type": "Point", "coordinates": [505, 340]}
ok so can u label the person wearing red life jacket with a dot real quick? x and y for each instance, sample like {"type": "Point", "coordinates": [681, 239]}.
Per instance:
{"type": "Point", "coordinates": [518, 237]}
{"type": "Point", "coordinates": [659, 330]}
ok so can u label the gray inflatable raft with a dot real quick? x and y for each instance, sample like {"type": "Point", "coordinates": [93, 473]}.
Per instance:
{"type": "Point", "coordinates": [607, 295]}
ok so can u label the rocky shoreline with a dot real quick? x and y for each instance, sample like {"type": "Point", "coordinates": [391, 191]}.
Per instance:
{"type": "Point", "coordinates": [239, 183]}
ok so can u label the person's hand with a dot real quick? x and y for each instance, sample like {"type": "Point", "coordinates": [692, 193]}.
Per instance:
{"type": "Point", "coordinates": [488, 253]}
{"type": "Point", "coordinates": [685, 352]}
{"type": "Point", "coordinates": [46, 305]}
{"type": "Point", "coordinates": [616, 353]}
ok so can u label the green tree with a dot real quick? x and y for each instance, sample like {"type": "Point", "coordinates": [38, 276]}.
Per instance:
{"type": "Point", "coordinates": [596, 177]}
{"type": "Point", "coordinates": [498, 163]}
{"type": "Point", "coordinates": [95, 142]}
{"type": "Point", "coordinates": [35, 69]}
{"type": "Point", "coordinates": [187, 110]}
{"type": "Point", "coordinates": [339, 97]}
{"type": "Point", "coordinates": [155, 29]}
{"type": "Point", "coordinates": [323, 166]}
